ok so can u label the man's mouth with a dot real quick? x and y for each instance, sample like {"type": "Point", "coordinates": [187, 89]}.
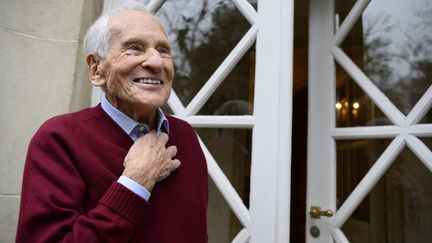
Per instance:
{"type": "Point", "coordinates": [148, 81]}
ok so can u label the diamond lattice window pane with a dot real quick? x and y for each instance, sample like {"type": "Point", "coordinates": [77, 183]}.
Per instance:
{"type": "Point", "coordinates": [223, 225]}
{"type": "Point", "coordinates": [353, 106]}
{"type": "Point", "coordinates": [427, 141]}
{"type": "Point", "coordinates": [392, 44]}
{"type": "Point", "coordinates": [354, 160]}
{"type": "Point", "coordinates": [231, 148]}
{"type": "Point", "coordinates": [202, 34]}
{"type": "Point", "coordinates": [398, 207]}
{"type": "Point", "coordinates": [235, 95]}
{"type": "Point", "coordinates": [427, 118]}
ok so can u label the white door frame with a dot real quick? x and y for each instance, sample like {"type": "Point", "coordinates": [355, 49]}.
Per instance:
{"type": "Point", "coordinates": [268, 218]}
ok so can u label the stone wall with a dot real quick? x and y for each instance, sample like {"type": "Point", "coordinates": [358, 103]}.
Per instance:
{"type": "Point", "coordinates": [43, 74]}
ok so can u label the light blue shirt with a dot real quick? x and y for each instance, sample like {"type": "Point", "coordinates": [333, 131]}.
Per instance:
{"type": "Point", "coordinates": [129, 126]}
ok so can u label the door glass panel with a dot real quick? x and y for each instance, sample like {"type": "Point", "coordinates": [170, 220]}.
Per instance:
{"type": "Point", "coordinates": [427, 142]}
{"type": "Point", "coordinates": [392, 43]}
{"type": "Point", "coordinates": [202, 33]}
{"type": "Point", "coordinates": [222, 223]}
{"type": "Point", "coordinates": [353, 106]}
{"type": "Point", "coordinates": [427, 118]}
{"type": "Point", "coordinates": [231, 148]}
{"type": "Point", "coordinates": [235, 95]}
{"type": "Point", "coordinates": [398, 209]}
{"type": "Point", "coordinates": [354, 159]}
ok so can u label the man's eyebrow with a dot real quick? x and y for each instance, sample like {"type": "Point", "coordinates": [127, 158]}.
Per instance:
{"type": "Point", "coordinates": [140, 41]}
{"type": "Point", "coordinates": [164, 44]}
{"type": "Point", "coordinates": [130, 41]}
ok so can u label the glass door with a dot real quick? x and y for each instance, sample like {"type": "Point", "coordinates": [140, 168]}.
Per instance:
{"type": "Point", "coordinates": [370, 121]}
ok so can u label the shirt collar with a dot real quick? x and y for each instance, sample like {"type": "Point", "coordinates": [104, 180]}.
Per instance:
{"type": "Point", "coordinates": [128, 124]}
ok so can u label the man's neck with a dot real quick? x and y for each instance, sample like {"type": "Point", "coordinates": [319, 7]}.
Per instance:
{"type": "Point", "coordinates": [144, 115]}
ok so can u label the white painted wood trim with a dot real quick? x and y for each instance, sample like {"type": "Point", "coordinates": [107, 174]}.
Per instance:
{"type": "Point", "coordinates": [247, 10]}
{"type": "Point", "coordinates": [421, 130]}
{"type": "Point", "coordinates": [349, 21]}
{"type": "Point", "coordinates": [222, 71]}
{"type": "Point", "coordinates": [154, 5]}
{"type": "Point", "coordinates": [339, 236]}
{"type": "Point", "coordinates": [226, 189]}
{"type": "Point", "coordinates": [242, 236]}
{"type": "Point", "coordinates": [365, 132]}
{"type": "Point", "coordinates": [283, 199]}
{"type": "Point", "coordinates": [420, 109]}
{"type": "Point", "coordinates": [380, 99]}
{"type": "Point", "coordinates": [368, 182]}
{"type": "Point", "coordinates": [272, 131]}
{"type": "Point", "coordinates": [244, 122]}
{"type": "Point", "coordinates": [176, 105]}
{"type": "Point", "coordinates": [321, 173]}
{"type": "Point", "coordinates": [421, 150]}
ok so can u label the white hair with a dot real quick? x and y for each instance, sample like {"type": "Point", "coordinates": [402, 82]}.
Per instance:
{"type": "Point", "coordinates": [97, 37]}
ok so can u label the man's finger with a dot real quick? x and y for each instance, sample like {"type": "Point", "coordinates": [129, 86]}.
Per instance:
{"type": "Point", "coordinates": [172, 151]}
{"type": "Point", "coordinates": [163, 138]}
{"type": "Point", "coordinates": [175, 164]}
{"type": "Point", "coordinates": [151, 134]}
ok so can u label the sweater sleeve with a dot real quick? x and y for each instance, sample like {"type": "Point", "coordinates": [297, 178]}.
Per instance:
{"type": "Point", "coordinates": [53, 195]}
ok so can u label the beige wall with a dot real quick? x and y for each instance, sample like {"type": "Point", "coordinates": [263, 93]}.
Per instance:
{"type": "Point", "coordinates": [43, 74]}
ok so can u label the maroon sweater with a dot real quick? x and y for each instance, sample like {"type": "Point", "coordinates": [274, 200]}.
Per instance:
{"type": "Point", "coordinates": [70, 193]}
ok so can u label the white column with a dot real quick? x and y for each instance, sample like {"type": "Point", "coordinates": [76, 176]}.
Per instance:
{"type": "Point", "coordinates": [271, 154]}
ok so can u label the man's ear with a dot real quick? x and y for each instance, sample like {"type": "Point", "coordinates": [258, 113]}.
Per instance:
{"type": "Point", "coordinates": [97, 78]}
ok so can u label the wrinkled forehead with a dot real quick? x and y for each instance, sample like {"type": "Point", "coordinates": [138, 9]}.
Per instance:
{"type": "Point", "coordinates": [130, 20]}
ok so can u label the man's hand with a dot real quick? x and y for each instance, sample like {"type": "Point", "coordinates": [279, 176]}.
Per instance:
{"type": "Point", "coordinates": [148, 161]}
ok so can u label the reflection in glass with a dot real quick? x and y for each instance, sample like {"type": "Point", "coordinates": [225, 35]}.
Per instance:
{"type": "Point", "coordinates": [353, 106]}
{"type": "Point", "coordinates": [231, 148]}
{"type": "Point", "coordinates": [427, 142]}
{"type": "Point", "coordinates": [235, 95]}
{"type": "Point", "coordinates": [222, 223]}
{"type": "Point", "coordinates": [202, 34]}
{"type": "Point", "coordinates": [399, 207]}
{"type": "Point", "coordinates": [427, 118]}
{"type": "Point", "coordinates": [354, 159]}
{"type": "Point", "coordinates": [392, 44]}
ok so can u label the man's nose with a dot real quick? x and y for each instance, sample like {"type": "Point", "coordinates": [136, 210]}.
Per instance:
{"type": "Point", "coordinates": [152, 60]}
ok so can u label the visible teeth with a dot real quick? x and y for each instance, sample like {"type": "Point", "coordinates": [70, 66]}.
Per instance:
{"type": "Point", "coordinates": [148, 81]}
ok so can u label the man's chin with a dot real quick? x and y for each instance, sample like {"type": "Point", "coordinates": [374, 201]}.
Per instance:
{"type": "Point", "coordinates": [149, 104]}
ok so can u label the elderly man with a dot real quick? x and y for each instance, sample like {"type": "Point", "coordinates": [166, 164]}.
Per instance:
{"type": "Point", "coordinates": [122, 171]}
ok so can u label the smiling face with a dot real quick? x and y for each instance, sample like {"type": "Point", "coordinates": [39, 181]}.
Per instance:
{"type": "Point", "coordinates": [137, 73]}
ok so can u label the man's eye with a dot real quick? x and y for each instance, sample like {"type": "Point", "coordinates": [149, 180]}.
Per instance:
{"type": "Point", "coordinates": [165, 52]}
{"type": "Point", "coordinates": [134, 48]}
